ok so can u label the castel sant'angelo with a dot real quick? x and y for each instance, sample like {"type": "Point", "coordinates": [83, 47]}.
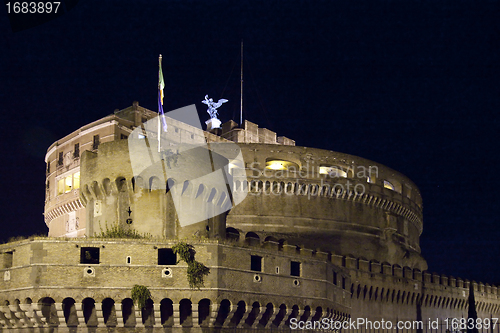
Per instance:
{"type": "Point", "coordinates": [291, 235]}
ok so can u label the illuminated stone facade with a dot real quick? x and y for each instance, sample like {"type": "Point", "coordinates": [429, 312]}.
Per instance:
{"type": "Point", "coordinates": [321, 234]}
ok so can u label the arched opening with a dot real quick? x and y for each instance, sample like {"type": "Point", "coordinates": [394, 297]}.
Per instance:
{"type": "Point", "coordinates": [109, 312]}
{"type": "Point", "coordinates": [185, 186]}
{"type": "Point", "coordinates": [293, 314]}
{"type": "Point", "coordinates": [89, 312]}
{"type": "Point", "coordinates": [69, 311]}
{"type": "Point", "coordinates": [121, 184]}
{"type": "Point", "coordinates": [167, 312]}
{"type": "Point", "coordinates": [266, 316]}
{"type": "Point", "coordinates": [333, 171]}
{"type": "Point", "coordinates": [186, 313]}
{"type": "Point", "coordinates": [253, 314]}
{"type": "Point", "coordinates": [128, 312]}
{"type": "Point", "coordinates": [49, 311]}
{"type": "Point", "coordinates": [318, 313]}
{"type": "Point", "coordinates": [224, 309]}
{"type": "Point", "coordinates": [271, 239]}
{"type": "Point", "coordinates": [154, 183]}
{"type": "Point", "coordinates": [147, 313]}
{"type": "Point", "coordinates": [238, 314]}
{"type": "Point", "coordinates": [232, 234]}
{"type": "Point", "coordinates": [106, 183]}
{"type": "Point", "coordinates": [279, 164]}
{"type": "Point", "coordinates": [252, 238]}
{"type": "Point", "coordinates": [280, 316]}
{"type": "Point", "coordinates": [201, 189]}
{"type": "Point", "coordinates": [306, 314]}
{"type": "Point", "coordinates": [204, 312]}
{"type": "Point", "coordinates": [212, 195]}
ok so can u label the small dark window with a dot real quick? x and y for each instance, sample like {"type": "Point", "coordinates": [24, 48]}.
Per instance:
{"type": "Point", "coordinates": [295, 268]}
{"type": "Point", "coordinates": [335, 278]}
{"type": "Point", "coordinates": [60, 159]}
{"type": "Point", "coordinates": [343, 282]}
{"type": "Point", "coordinates": [7, 259]}
{"type": "Point", "coordinates": [89, 255]}
{"type": "Point", "coordinates": [48, 167]}
{"type": "Point", "coordinates": [176, 130]}
{"type": "Point", "coordinates": [96, 142]}
{"type": "Point", "coordinates": [123, 137]}
{"type": "Point", "coordinates": [167, 257]}
{"type": "Point", "coordinates": [76, 153]}
{"type": "Point", "coordinates": [256, 263]}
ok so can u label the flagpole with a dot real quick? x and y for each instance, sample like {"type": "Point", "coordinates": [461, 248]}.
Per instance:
{"type": "Point", "coordinates": [159, 91]}
{"type": "Point", "coordinates": [241, 85]}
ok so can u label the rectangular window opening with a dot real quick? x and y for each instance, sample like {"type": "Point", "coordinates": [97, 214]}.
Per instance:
{"type": "Point", "coordinates": [76, 153]}
{"type": "Point", "coordinates": [335, 278]}
{"type": "Point", "coordinates": [167, 257]}
{"type": "Point", "coordinates": [60, 159]}
{"type": "Point", "coordinates": [96, 142]}
{"type": "Point", "coordinates": [89, 255]}
{"type": "Point", "coordinates": [343, 282]}
{"type": "Point", "coordinates": [256, 263]}
{"type": "Point", "coordinates": [7, 259]}
{"type": "Point", "coordinates": [295, 268]}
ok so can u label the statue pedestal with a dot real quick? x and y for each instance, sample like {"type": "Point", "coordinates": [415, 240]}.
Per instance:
{"type": "Point", "coordinates": [213, 123]}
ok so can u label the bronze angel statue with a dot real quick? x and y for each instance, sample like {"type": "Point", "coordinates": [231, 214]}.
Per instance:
{"type": "Point", "coordinates": [212, 106]}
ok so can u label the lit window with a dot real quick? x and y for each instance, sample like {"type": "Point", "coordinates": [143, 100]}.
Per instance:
{"type": "Point", "coordinates": [76, 180]}
{"type": "Point", "coordinates": [388, 185]}
{"type": "Point", "coordinates": [332, 171]}
{"type": "Point", "coordinates": [68, 184]}
{"type": "Point", "coordinates": [280, 165]}
{"type": "Point", "coordinates": [60, 186]}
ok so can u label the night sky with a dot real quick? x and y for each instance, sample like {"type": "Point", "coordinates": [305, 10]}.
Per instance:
{"type": "Point", "coordinates": [413, 85]}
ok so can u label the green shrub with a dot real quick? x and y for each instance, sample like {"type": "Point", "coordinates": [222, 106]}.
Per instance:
{"type": "Point", "coordinates": [196, 271]}
{"type": "Point", "coordinates": [118, 231]}
{"type": "Point", "coordinates": [140, 294]}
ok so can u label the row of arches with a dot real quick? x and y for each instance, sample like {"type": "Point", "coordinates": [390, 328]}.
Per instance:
{"type": "Point", "coordinates": [120, 184]}
{"type": "Point", "coordinates": [355, 192]}
{"type": "Point", "coordinates": [377, 294]}
{"type": "Point", "coordinates": [166, 313]}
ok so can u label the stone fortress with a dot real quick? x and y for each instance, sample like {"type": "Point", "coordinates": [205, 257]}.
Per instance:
{"type": "Point", "coordinates": [320, 234]}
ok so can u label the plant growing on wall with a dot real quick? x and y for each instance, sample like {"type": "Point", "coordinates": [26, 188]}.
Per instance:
{"type": "Point", "coordinates": [140, 294]}
{"type": "Point", "coordinates": [118, 231]}
{"type": "Point", "coordinates": [196, 271]}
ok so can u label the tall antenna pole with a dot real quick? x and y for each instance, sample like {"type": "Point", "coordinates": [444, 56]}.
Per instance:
{"type": "Point", "coordinates": [241, 86]}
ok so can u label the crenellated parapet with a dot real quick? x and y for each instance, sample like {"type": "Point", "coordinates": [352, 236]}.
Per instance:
{"type": "Point", "coordinates": [154, 202]}
{"type": "Point", "coordinates": [334, 201]}
{"type": "Point", "coordinates": [86, 283]}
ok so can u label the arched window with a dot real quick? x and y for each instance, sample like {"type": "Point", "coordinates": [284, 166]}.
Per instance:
{"type": "Point", "coordinates": [332, 171]}
{"type": "Point", "coordinates": [278, 164]}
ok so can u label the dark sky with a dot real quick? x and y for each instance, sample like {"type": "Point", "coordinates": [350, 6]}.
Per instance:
{"type": "Point", "coordinates": [413, 85]}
